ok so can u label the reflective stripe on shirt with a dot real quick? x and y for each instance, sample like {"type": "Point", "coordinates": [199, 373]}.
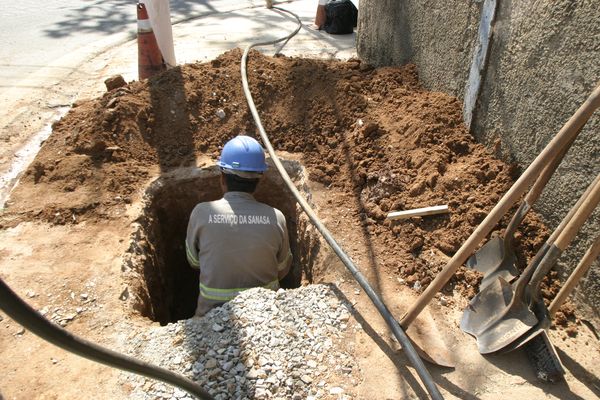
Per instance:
{"type": "Point", "coordinates": [190, 256]}
{"type": "Point", "coordinates": [228, 294]}
{"type": "Point", "coordinates": [285, 263]}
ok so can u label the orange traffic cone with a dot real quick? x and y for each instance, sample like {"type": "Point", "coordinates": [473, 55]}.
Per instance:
{"type": "Point", "coordinates": [150, 60]}
{"type": "Point", "coordinates": [320, 17]}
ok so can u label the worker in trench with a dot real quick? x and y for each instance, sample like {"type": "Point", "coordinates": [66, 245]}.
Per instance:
{"type": "Point", "coordinates": [237, 243]}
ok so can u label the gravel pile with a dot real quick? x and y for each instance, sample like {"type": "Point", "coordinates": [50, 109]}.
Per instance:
{"type": "Point", "coordinates": [263, 344]}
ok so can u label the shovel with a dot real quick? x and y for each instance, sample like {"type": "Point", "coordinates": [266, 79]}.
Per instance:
{"type": "Point", "coordinates": [566, 133]}
{"type": "Point", "coordinates": [497, 257]}
{"type": "Point", "coordinates": [545, 315]}
{"type": "Point", "coordinates": [474, 323]}
{"type": "Point", "coordinates": [500, 313]}
{"type": "Point", "coordinates": [536, 342]}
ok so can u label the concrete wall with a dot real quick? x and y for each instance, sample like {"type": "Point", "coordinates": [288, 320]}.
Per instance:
{"type": "Point", "coordinates": [436, 35]}
{"type": "Point", "coordinates": [544, 60]}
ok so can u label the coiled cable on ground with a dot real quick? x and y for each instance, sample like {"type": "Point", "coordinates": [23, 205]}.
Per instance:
{"type": "Point", "coordinates": [400, 335]}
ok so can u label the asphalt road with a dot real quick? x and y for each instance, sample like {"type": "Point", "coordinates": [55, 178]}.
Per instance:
{"type": "Point", "coordinates": [58, 35]}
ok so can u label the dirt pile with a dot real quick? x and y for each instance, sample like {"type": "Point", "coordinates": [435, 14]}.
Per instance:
{"type": "Point", "coordinates": [374, 138]}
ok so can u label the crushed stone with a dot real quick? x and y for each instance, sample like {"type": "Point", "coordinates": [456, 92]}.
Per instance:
{"type": "Point", "coordinates": [268, 345]}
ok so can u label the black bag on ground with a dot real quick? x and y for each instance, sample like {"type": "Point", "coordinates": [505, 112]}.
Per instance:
{"type": "Point", "coordinates": [341, 17]}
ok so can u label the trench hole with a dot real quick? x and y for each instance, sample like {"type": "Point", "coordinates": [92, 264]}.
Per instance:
{"type": "Point", "coordinates": [161, 284]}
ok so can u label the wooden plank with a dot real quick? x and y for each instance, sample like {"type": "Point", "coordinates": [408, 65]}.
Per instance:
{"type": "Point", "coordinates": [418, 212]}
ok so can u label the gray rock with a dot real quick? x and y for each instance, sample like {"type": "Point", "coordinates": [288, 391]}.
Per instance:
{"type": "Point", "coordinates": [227, 366]}
{"type": "Point", "coordinates": [262, 344]}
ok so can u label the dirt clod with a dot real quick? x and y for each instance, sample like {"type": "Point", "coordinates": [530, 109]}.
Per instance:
{"type": "Point", "coordinates": [114, 82]}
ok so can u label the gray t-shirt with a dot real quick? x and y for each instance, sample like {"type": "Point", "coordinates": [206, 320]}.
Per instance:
{"type": "Point", "coordinates": [237, 243]}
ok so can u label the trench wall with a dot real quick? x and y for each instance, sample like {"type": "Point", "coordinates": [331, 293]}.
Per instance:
{"type": "Point", "coordinates": [543, 62]}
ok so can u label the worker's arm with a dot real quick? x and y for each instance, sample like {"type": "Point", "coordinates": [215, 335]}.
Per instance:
{"type": "Point", "coordinates": [192, 259]}
{"type": "Point", "coordinates": [191, 240]}
{"type": "Point", "coordinates": [284, 255]}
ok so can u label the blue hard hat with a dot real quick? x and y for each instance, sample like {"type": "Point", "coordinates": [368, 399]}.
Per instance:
{"type": "Point", "coordinates": [243, 153]}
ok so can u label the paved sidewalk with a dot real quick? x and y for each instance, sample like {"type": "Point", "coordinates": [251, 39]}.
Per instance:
{"type": "Point", "coordinates": [205, 37]}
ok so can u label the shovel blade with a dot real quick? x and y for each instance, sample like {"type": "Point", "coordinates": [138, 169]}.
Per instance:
{"type": "Point", "coordinates": [494, 261]}
{"type": "Point", "coordinates": [428, 337]}
{"type": "Point", "coordinates": [425, 337]}
{"type": "Point", "coordinates": [506, 330]}
{"type": "Point", "coordinates": [486, 307]}
{"type": "Point", "coordinates": [539, 309]}
{"type": "Point", "coordinates": [507, 270]}
{"type": "Point", "coordinates": [488, 257]}
{"type": "Point", "coordinates": [495, 318]}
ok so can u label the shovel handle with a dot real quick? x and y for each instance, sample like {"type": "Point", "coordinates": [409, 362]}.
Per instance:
{"type": "Point", "coordinates": [572, 211]}
{"type": "Point", "coordinates": [548, 171]}
{"type": "Point", "coordinates": [581, 215]}
{"type": "Point", "coordinates": [566, 236]}
{"type": "Point", "coordinates": [515, 221]}
{"type": "Point", "coordinates": [584, 265]}
{"type": "Point", "coordinates": [534, 194]}
{"type": "Point", "coordinates": [564, 136]}
{"type": "Point", "coordinates": [525, 277]}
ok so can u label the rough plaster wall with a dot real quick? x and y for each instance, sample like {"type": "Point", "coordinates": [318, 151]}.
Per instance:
{"type": "Point", "coordinates": [436, 35]}
{"type": "Point", "coordinates": [544, 61]}
{"type": "Point", "coordinates": [383, 41]}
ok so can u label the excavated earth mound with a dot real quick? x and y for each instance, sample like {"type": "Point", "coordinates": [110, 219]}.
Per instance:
{"type": "Point", "coordinates": [374, 135]}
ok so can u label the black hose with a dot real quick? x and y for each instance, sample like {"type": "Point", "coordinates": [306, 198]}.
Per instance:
{"type": "Point", "coordinates": [381, 307]}
{"type": "Point", "coordinates": [31, 320]}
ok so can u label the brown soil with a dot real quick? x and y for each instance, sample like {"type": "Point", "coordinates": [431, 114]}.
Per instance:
{"type": "Point", "coordinates": [372, 140]}
{"type": "Point", "coordinates": [373, 135]}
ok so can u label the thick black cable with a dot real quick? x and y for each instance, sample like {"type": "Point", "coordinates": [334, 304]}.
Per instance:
{"type": "Point", "coordinates": [31, 320]}
{"type": "Point", "coordinates": [400, 335]}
